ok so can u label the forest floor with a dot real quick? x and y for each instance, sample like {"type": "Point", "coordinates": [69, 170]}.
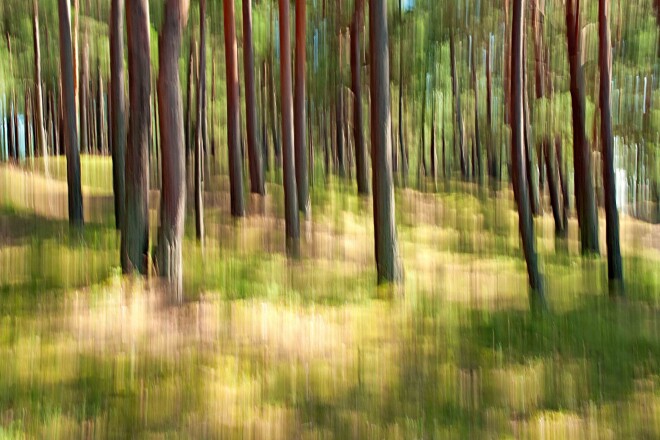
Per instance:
{"type": "Point", "coordinates": [268, 348]}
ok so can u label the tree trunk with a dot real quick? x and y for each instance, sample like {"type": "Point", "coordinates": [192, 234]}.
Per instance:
{"type": "Point", "coordinates": [199, 135]}
{"type": "Point", "coordinates": [254, 154]}
{"type": "Point", "coordinates": [117, 118]}
{"type": "Point", "coordinates": [70, 132]}
{"type": "Point", "coordinates": [553, 188]}
{"type": "Point", "coordinates": [170, 111]}
{"type": "Point", "coordinates": [614, 265]}
{"type": "Point", "coordinates": [300, 144]}
{"type": "Point", "coordinates": [458, 121]}
{"type": "Point", "coordinates": [82, 96]}
{"type": "Point", "coordinates": [477, 139]}
{"type": "Point", "coordinates": [40, 139]}
{"type": "Point", "coordinates": [525, 221]}
{"type": "Point", "coordinates": [584, 189]}
{"type": "Point", "coordinates": [135, 235]}
{"type": "Point", "coordinates": [402, 143]}
{"type": "Point", "coordinates": [386, 246]}
{"type": "Point", "coordinates": [189, 101]}
{"type": "Point", "coordinates": [361, 159]}
{"type": "Point", "coordinates": [233, 127]}
{"type": "Point", "coordinates": [290, 191]}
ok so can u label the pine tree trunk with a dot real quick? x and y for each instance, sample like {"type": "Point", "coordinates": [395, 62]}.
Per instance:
{"type": "Point", "coordinates": [386, 246]}
{"type": "Point", "coordinates": [584, 188]}
{"type": "Point", "coordinates": [525, 221]}
{"type": "Point", "coordinates": [458, 127]}
{"type": "Point", "coordinates": [117, 118]}
{"type": "Point", "coordinates": [361, 158]}
{"type": "Point", "coordinates": [135, 235]}
{"type": "Point", "coordinates": [614, 265]}
{"type": "Point", "coordinates": [254, 153]}
{"type": "Point", "coordinates": [233, 105]}
{"type": "Point", "coordinates": [69, 114]}
{"type": "Point", "coordinates": [169, 256]}
{"type": "Point", "coordinates": [299, 120]}
{"type": "Point", "coordinates": [290, 191]}
{"type": "Point", "coordinates": [40, 139]}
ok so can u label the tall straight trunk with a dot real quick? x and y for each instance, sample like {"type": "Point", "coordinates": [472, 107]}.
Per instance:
{"type": "Point", "coordinates": [361, 159]}
{"type": "Point", "coordinates": [532, 175]}
{"type": "Point", "coordinates": [422, 170]}
{"type": "Point", "coordinates": [254, 153]}
{"type": "Point", "coordinates": [70, 132]}
{"type": "Point", "coordinates": [477, 138]}
{"type": "Point", "coordinates": [265, 111]}
{"type": "Point", "coordinates": [272, 114]}
{"type": "Point", "coordinates": [26, 125]}
{"type": "Point", "coordinates": [233, 105]}
{"type": "Point", "coordinates": [189, 101]}
{"type": "Point", "coordinates": [492, 150]}
{"type": "Point", "coordinates": [40, 139]}
{"type": "Point", "coordinates": [339, 130]}
{"type": "Point", "coordinates": [10, 130]}
{"type": "Point", "coordinates": [584, 189]}
{"type": "Point", "coordinates": [553, 187]}
{"type": "Point", "coordinates": [100, 120]}
{"type": "Point", "coordinates": [290, 191]}
{"type": "Point", "coordinates": [402, 143]}
{"type": "Point", "coordinates": [135, 235]}
{"type": "Point", "coordinates": [458, 120]}
{"type": "Point", "coordinates": [169, 256]}
{"type": "Point", "coordinates": [614, 265]}
{"type": "Point", "coordinates": [561, 169]}
{"type": "Point", "coordinates": [434, 154]}
{"type": "Point", "coordinates": [82, 96]}
{"type": "Point", "coordinates": [525, 221]}
{"type": "Point", "coordinates": [299, 120]}
{"type": "Point", "coordinates": [117, 118]}
{"type": "Point", "coordinates": [386, 246]}
{"type": "Point", "coordinates": [199, 138]}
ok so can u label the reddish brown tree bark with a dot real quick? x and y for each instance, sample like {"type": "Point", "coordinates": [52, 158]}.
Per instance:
{"type": "Point", "coordinates": [135, 235]}
{"type": "Point", "coordinates": [70, 131]}
{"type": "Point", "coordinates": [299, 121]}
{"type": "Point", "coordinates": [254, 153]}
{"type": "Point", "coordinates": [169, 257]}
{"type": "Point", "coordinates": [233, 127]}
{"type": "Point", "coordinates": [386, 245]}
{"type": "Point", "coordinates": [290, 191]}
{"type": "Point", "coordinates": [525, 221]}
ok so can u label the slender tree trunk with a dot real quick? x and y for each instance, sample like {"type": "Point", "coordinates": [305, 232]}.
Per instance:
{"type": "Point", "coordinates": [386, 246]}
{"type": "Point", "coordinates": [189, 101]}
{"type": "Point", "coordinates": [402, 143]}
{"type": "Point", "coordinates": [290, 191]}
{"type": "Point", "coordinates": [82, 96]}
{"type": "Point", "coordinates": [199, 135]}
{"type": "Point", "coordinates": [551, 169]}
{"type": "Point", "coordinates": [135, 235]}
{"type": "Point", "coordinates": [434, 155]}
{"type": "Point", "coordinates": [477, 138]}
{"type": "Point", "coordinates": [170, 111]}
{"type": "Point", "coordinates": [361, 159]}
{"type": "Point", "coordinates": [233, 127]}
{"type": "Point", "coordinates": [299, 120]}
{"type": "Point", "coordinates": [584, 188]}
{"type": "Point", "coordinates": [254, 154]}
{"type": "Point", "coordinates": [525, 221]}
{"type": "Point", "coordinates": [40, 144]}
{"type": "Point", "coordinates": [70, 132]}
{"type": "Point", "coordinates": [117, 118]}
{"type": "Point", "coordinates": [458, 128]}
{"type": "Point", "coordinates": [272, 113]}
{"type": "Point", "coordinates": [614, 265]}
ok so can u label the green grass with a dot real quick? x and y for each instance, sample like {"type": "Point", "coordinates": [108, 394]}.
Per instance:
{"type": "Point", "coordinates": [269, 348]}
